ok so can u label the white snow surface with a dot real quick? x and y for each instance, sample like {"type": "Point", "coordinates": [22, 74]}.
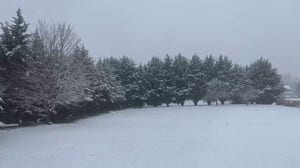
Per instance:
{"type": "Point", "coordinates": [230, 136]}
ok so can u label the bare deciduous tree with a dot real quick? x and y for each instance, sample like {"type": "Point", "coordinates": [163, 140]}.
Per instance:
{"type": "Point", "coordinates": [58, 39]}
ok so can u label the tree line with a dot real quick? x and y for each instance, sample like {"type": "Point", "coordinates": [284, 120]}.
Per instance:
{"type": "Point", "coordinates": [47, 75]}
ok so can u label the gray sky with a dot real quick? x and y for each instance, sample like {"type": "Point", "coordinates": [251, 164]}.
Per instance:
{"type": "Point", "coordinates": [243, 30]}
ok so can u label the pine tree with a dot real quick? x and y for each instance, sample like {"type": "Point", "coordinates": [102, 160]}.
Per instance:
{"type": "Point", "coordinates": [5, 39]}
{"type": "Point", "coordinates": [223, 92]}
{"type": "Point", "coordinates": [75, 80]}
{"type": "Point", "coordinates": [14, 42]}
{"type": "Point", "coordinates": [241, 86]}
{"type": "Point", "coordinates": [180, 69]}
{"type": "Point", "coordinates": [238, 80]}
{"type": "Point", "coordinates": [208, 68]}
{"type": "Point", "coordinates": [141, 82]}
{"type": "Point", "coordinates": [14, 50]}
{"type": "Point", "coordinates": [155, 82]}
{"type": "Point", "coordinates": [196, 80]}
{"type": "Point", "coordinates": [136, 93]}
{"type": "Point", "coordinates": [211, 92]}
{"type": "Point", "coordinates": [265, 80]}
{"type": "Point", "coordinates": [109, 91]}
{"type": "Point", "coordinates": [126, 71]}
{"type": "Point", "coordinates": [168, 81]}
{"type": "Point", "coordinates": [6, 43]}
{"type": "Point", "coordinates": [15, 39]}
{"type": "Point", "coordinates": [217, 90]}
{"type": "Point", "coordinates": [223, 68]}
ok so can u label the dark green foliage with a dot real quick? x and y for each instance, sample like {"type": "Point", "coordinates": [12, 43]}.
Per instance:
{"type": "Point", "coordinates": [168, 83]}
{"type": "Point", "coordinates": [126, 72]}
{"type": "Point", "coordinates": [241, 86]}
{"type": "Point", "coordinates": [197, 80]}
{"type": "Point", "coordinates": [14, 50]}
{"type": "Point", "coordinates": [154, 82]}
{"type": "Point", "coordinates": [15, 39]}
{"type": "Point", "coordinates": [49, 75]}
{"type": "Point", "coordinates": [208, 68]}
{"type": "Point", "coordinates": [180, 69]}
{"type": "Point", "coordinates": [141, 83]}
{"type": "Point", "coordinates": [265, 80]}
{"type": "Point", "coordinates": [107, 91]}
{"type": "Point", "coordinates": [223, 69]}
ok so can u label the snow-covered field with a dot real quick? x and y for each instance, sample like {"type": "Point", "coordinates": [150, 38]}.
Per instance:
{"type": "Point", "coordinates": [230, 136]}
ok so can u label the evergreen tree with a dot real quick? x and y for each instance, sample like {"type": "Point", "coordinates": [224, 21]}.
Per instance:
{"type": "Point", "coordinates": [238, 80]}
{"type": "Point", "coordinates": [223, 68]}
{"type": "Point", "coordinates": [126, 71]}
{"type": "Point", "coordinates": [15, 39]}
{"type": "Point", "coordinates": [217, 90]}
{"type": "Point", "coordinates": [14, 50]}
{"type": "Point", "coordinates": [14, 42]}
{"type": "Point", "coordinates": [180, 68]}
{"type": "Point", "coordinates": [107, 91]}
{"type": "Point", "coordinates": [224, 73]}
{"type": "Point", "coordinates": [241, 86]}
{"type": "Point", "coordinates": [141, 83]}
{"type": "Point", "coordinates": [155, 82]}
{"type": "Point", "coordinates": [208, 68]}
{"type": "Point", "coordinates": [49, 75]}
{"type": "Point", "coordinates": [223, 92]}
{"type": "Point", "coordinates": [168, 81]}
{"type": "Point", "coordinates": [248, 94]}
{"type": "Point", "coordinates": [5, 44]}
{"type": "Point", "coordinates": [3, 63]}
{"type": "Point", "coordinates": [196, 80]}
{"type": "Point", "coordinates": [266, 81]}
{"type": "Point", "coordinates": [211, 94]}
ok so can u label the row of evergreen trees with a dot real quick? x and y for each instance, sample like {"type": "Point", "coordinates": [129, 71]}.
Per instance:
{"type": "Point", "coordinates": [49, 75]}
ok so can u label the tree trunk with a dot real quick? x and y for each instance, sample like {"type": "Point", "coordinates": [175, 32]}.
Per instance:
{"type": "Point", "coordinates": [48, 117]}
{"type": "Point", "coordinates": [195, 103]}
{"type": "Point", "coordinates": [209, 102]}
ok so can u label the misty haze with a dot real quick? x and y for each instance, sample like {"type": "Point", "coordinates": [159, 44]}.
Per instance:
{"type": "Point", "coordinates": [164, 84]}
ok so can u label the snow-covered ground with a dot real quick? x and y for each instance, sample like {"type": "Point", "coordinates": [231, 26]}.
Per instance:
{"type": "Point", "coordinates": [230, 136]}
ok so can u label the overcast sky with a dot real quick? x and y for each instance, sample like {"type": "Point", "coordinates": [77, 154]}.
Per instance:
{"type": "Point", "coordinates": [243, 30]}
